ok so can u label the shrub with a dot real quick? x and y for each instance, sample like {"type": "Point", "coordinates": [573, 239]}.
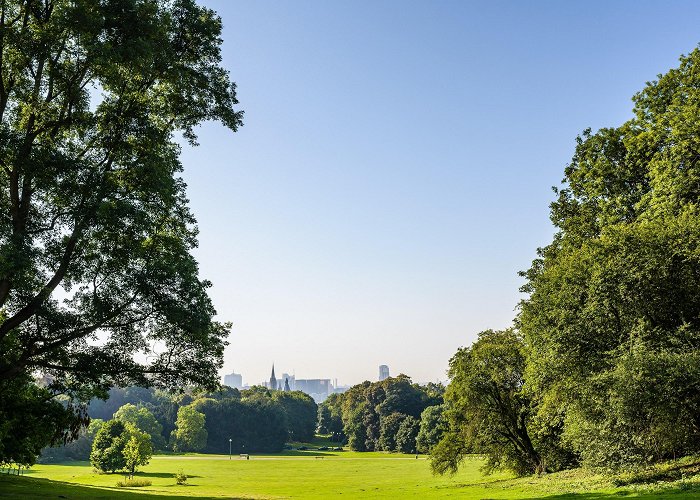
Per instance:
{"type": "Point", "coordinates": [133, 483]}
{"type": "Point", "coordinates": [180, 478]}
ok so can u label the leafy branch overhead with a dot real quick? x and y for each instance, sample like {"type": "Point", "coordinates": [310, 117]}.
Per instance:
{"type": "Point", "coordinates": [95, 232]}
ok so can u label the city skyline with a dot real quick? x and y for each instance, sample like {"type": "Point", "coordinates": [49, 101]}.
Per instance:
{"type": "Point", "coordinates": [245, 383]}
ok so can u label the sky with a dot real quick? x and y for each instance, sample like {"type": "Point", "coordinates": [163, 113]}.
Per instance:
{"type": "Point", "coordinates": [395, 166]}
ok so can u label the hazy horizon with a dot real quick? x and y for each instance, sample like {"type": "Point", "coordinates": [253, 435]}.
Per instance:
{"type": "Point", "coordinates": [395, 168]}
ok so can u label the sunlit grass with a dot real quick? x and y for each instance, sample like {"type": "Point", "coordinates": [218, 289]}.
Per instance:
{"type": "Point", "coordinates": [335, 475]}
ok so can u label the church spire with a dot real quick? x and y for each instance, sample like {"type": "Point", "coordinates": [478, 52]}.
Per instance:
{"type": "Point", "coordinates": [273, 379]}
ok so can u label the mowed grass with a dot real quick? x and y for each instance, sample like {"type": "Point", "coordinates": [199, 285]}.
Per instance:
{"type": "Point", "coordinates": [336, 475]}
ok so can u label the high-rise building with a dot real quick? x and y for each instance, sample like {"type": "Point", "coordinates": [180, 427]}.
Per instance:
{"type": "Point", "coordinates": [317, 388]}
{"type": "Point", "coordinates": [383, 372]}
{"type": "Point", "coordinates": [291, 379]}
{"type": "Point", "coordinates": [234, 380]}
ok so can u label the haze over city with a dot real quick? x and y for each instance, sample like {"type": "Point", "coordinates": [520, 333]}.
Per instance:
{"type": "Point", "coordinates": [393, 173]}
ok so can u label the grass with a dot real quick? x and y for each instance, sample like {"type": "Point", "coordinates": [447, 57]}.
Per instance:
{"type": "Point", "coordinates": [336, 475]}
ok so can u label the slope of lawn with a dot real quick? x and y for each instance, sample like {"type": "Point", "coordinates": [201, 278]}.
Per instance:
{"type": "Point", "coordinates": [340, 475]}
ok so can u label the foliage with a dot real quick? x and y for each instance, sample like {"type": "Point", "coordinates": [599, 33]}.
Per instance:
{"type": "Point", "coordinates": [97, 235]}
{"type": "Point", "coordinates": [301, 413]}
{"type": "Point", "coordinates": [486, 407]}
{"type": "Point", "coordinates": [354, 427]}
{"type": "Point", "coordinates": [190, 433]}
{"type": "Point", "coordinates": [137, 450]}
{"type": "Point", "coordinates": [406, 435]}
{"type": "Point", "coordinates": [181, 477]}
{"type": "Point", "coordinates": [432, 427]}
{"type": "Point", "coordinates": [142, 418]}
{"type": "Point", "coordinates": [119, 446]}
{"type": "Point", "coordinates": [30, 418]}
{"type": "Point", "coordinates": [78, 449]}
{"type": "Point", "coordinates": [388, 431]}
{"type": "Point", "coordinates": [120, 396]}
{"type": "Point", "coordinates": [253, 423]}
{"type": "Point", "coordinates": [330, 418]}
{"type": "Point", "coordinates": [108, 446]}
{"type": "Point", "coordinates": [612, 321]}
{"type": "Point", "coordinates": [365, 407]}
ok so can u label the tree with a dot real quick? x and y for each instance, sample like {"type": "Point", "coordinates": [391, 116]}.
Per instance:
{"type": "Point", "coordinates": [142, 418]}
{"type": "Point", "coordinates": [108, 446]}
{"type": "Point", "coordinates": [119, 446]}
{"type": "Point", "coordinates": [389, 429]}
{"type": "Point", "coordinates": [432, 428]}
{"type": "Point", "coordinates": [406, 435]}
{"type": "Point", "coordinates": [613, 313]}
{"type": "Point", "coordinates": [324, 419]}
{"type": "Point", "coordinates": [355, 428]}
{"type": "Point", "coordinates": [96, 234]}
{"type": "Point", "coordinates": [486, 407]}
{"type": "Point", "coordinates": [364, 407]}
{"type": "Point", "coordinates": [400, 395]}
{"type": "Point", "coordinates": [30, 418]}
{"type": "Point", "coordinates": [301, 413]}
{"type": "Point", "coordinates": [137, 450]}
{"type": "Point", "coordinates": [190, 433]}
{"type": "Point", "coordinates": [330, 419]}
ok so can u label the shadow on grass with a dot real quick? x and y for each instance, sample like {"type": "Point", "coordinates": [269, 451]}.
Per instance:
{"type": "Point", "coordinates": [29, 472]}
{"type": "Point", "coordinates": [676, 493]}
{"type": "Point", "coordinates": [29, 487]}
{"type": "Point", "coordinates": [158, 474]}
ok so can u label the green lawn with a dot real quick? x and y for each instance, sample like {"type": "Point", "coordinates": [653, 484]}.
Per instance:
{"type": "Point", "coordinates": [336, 475]}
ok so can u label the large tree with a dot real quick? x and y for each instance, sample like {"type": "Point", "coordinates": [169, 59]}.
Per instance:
{"type": "Point", "coordinates": [95, 232]}
{"type": "Point", "coordinates": [142, 418]}
{"type": "Point", "coordinates": [612, 321]}
{"type": "Point", "coordinates": [486, 408]}
{"type": "Point", "coordinates": [301, 413]}
{"type": "Point", "coordinates": [190, 433]}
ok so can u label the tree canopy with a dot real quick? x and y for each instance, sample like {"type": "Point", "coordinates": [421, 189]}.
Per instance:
{"type": "Point", "coordinates": [612, 321]}
{"type": "Point", "coordinates": [142, 418]}
{"type": "Point", "coordinates": [190, 433]}
{"type": "Point", "coordinates": [95, 232]}
{"type": "Point", "coordinates": [120, 446]}
{"type": "Point", "coordinates": [486, 408]}
{"type": "Point", "coordinates": [603, 368]}
{"type": "Point", "coordinates": [372, 412]}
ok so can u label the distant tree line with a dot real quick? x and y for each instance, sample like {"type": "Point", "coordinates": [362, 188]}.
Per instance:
{"type": "Point", "coordinates": [603, 366]}
{"type": "Point", "coordinates": [255, 420]}
{"type": "Point", "coordinates": [391, 415]}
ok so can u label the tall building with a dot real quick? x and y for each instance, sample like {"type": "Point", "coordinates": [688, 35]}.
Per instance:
{"type": "Point", "coordinates": [317, 388]}
{"type": "Point", "coordinates": [383, 372]}
{"type": "Point", "coordinates": [291, 379]}
{"type": "Point", "coordinates": [234, 380]}
{"type": "Point", "coordinates": [273, 380]}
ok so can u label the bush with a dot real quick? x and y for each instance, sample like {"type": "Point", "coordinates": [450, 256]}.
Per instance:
{"type": "Point", "coordinates": [180, 478]}
{"type": "Point", "coordinates": [133, 483]}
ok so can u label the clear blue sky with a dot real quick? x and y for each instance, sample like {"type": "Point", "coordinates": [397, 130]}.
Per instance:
{"type": "Point", "coordinates": [395, 167]}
